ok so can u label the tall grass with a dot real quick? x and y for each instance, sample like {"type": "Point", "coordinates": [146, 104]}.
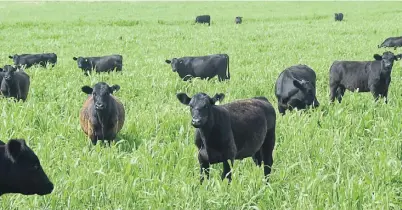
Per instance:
{"type": "Point", "coordinates": [341, 156]}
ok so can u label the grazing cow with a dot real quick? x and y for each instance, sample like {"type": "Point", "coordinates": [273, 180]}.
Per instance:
{"type": "Point", "coordinates": [15, 84]}
{"type": "Point", "coordinates": [338, 16]}
{"type": "Point", "coordinates": [364, 76]}
{"type": "Point", "coordinates": [29, 60]}
{"type": "Point", "coordinates": [238, 20]}
{"type": "Point", "coordinates": [21, 171]}
{"type": "Point", "coordinates": [102, 115]}
{"type": "Point", "coordinates": [100, 64]}
{"type": "Point", "coordinates": [203, 19]}
{"type": "Point", "coordinates": [296, 88]}
{"type": "Point", "coordinates": [392, 42]}
{"type": "Point", "coordinates": [237, 130]}
{"type": "Point", "coordinates": [201, 66]}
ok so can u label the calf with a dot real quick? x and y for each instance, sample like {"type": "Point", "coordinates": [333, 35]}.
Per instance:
{"type": "Point", "coordinates": [203, 19]}
{"type": "Point", "coordinates": [364, 76]}
{"type": "Point", "coordinates": [238, 20]}
{"type": "Point", "coordinates": [237, 130]}
{"type": "Point", "coordinates": [392, 42]}
{"type": "Point", "coordinates": [296, 88]}
{"type": "Point", "coordinates": [100, 64]}
{"type": "Point", "coordinates": [338, 16]}
{"type": "Point", "coordinates": [102, 115]}
{"type": "Point", "coordinates": [29, 60]}
{"type": "Point", "coordinates": [21, 171]}
{"type": "Point", "coordinates": [15, 84]}
{"type": "Point", "coordinates": [202, 66]}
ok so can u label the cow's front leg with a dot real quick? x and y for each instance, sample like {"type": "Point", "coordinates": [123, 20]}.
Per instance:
{"type": "Point", "coordinates": [227, 173]}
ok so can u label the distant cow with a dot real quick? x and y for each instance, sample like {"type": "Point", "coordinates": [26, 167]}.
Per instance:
{"type": "Point", "coordinates": [21, 171]}
{"type": "Point", "coordinates": [237, 130]}
{"type": "Point", "coordinates": [392, 42]}
{"type": "Point", "coordinates": [238, 20]}
{"type": "Point", "coordinates": [29, 60]}
{"type": "Point", "coordinates": [338, 16]}
{"type": "Point", "coordinates": [102, 115]}
{"type": "Point", "coordinates": [364, 76]}
{"type": "Point", "coordinates": [201, 66]}
{"type": "Point", "coordinates": [15, 83]}
{"type": "Point", "coordinates": [100, 64]}
{"type": "Point", "coordinates": [296, 88]}
{"type": "Point", "coordinates": [203, 19]}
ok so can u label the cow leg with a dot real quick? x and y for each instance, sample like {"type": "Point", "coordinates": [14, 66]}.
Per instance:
{"type": "Point", "coordinates": [94, 139]}
{"type": "Point", "coordinates": [204, 168]}
{"type": "Point", "coordinates": [227, 173]}
{"type": "Point", "coordinates": [281, 109]}
{"type": "Point", "coordinates": [257, 158]}
{"type": "Point", "coordinates": [340, 91]}
{"type": "Point", "coordinates": [267, 150]}
{"type": "Point", "coordinates": [375, 93]}
{"type": "Point", "coordinates": [333, 92]}
{"type": "Point", "coordinates": [316, 103]}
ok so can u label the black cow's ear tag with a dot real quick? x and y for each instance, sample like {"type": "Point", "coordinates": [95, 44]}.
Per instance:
{"type": "Point", "coordinates": [217, 102]}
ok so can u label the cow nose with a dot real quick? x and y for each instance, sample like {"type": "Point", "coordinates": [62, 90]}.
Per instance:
{"type": "Point", "coordinates": [196, 121]}
{"type": "Point", "coordinates": [99, 106]}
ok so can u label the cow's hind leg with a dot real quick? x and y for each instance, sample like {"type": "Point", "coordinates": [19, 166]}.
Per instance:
{"type": "Point", "coordinates": [267, 149]}
{"type": "Point", "coordinates": [333, 92]}
{"type": "Point", "coordinates": [257, 158]}
{"type": "Point", "coordinates": [227, 173]}
{"type": "Point", "coordinates": [340, 91]}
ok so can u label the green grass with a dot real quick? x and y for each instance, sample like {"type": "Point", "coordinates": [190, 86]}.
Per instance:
{"type": "Point", "coordinates": [346, 156]}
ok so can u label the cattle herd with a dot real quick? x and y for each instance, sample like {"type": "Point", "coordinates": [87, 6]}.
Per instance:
{"type": "Point", "coordinates": [236, 130]}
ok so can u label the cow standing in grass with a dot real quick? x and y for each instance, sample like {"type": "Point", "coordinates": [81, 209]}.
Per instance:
{"type": "Point", "coordinates": [394, 42]}
{"type": "Point", "coordinates": [296, 88]}
{"type": "Point", "coordinates": [237, 130]}
{"type": "Point", "coordinates": [364, 76]}
{"type": "Point", "coordinates": [15, 83]}
{"type": "Point", "coordinates": [21, 171]}
{"type": "Point", "coordinates": [106, 63]}
{"type": "Point", "coordinates": [201, 66]}
{"type": "Point", "coordinates": [102, 115]}
{"type": "Point", "coordinates": [29, 60]}
{"type": "Point", "coordinates": [203, 19]}
{"type": "Point", "coordinates": [238, 20]}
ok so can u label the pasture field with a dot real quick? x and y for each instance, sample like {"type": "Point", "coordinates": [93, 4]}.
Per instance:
{"type": "Point", "coordinates": [341, 156]}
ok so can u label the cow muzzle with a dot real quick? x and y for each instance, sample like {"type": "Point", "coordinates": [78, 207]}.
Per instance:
{"type": "Point", "coordinates": [99, 106]}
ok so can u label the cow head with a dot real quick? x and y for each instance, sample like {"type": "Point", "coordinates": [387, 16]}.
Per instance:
{"type": "Point", "coordinates": [387, 59]}
{"type": "Point", "coordinates": [24, 174]}
{"type": "Point", "coordinates": [9, 73]}
{"type": "Point", "coordinates": [176, 63]}
{"type": "Point", "coordinates": [200, 106]}
{"type": "Point", "coordinates": [101, 94]}
{"type": "Point", "coordinates": [305, 91]}
{"type": "Point", "coordinates": [83, 63]}
{"type": "Point", "coordinates": [15, 58]}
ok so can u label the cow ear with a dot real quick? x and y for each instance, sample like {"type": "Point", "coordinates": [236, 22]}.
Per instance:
{"type": "Point", "coordinates": [75, 58]}
{"type": "Point", "coordinates": [168, 61]}
{"type": "Point", "coordinates": [377, 57]}
{"type": "Point", "coordinates": [183, 98]}
{"type": "Point", "coordinates": [114, 88]}
{"type": "Point", "coordinates": [14, 148]}
{"type": "Point", "coordinates": [297, 84]}
{"type": "Point", "coordinates": [86, 89]}
{"type": "Point", "coordinates": [218, 97]}
{"type": "Point", "coordinates": [398, 57]}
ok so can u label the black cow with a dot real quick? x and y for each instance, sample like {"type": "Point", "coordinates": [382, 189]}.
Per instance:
{"type": "Point", "coordinates": [203, 19]}
{"type": "Point", "coordinates": [364, 76]}
{"type": "Point", "coordinates": [238, 20]}
{"type": "Point", "coordinates": [29, 60]}
{"type": "Point", "coordinates": [392, 42]}
{"type": "Point", "coordinates": [296, 88]}
{"type": "Point", "coordinates": [106, 63]}
{"type": "Point", "coordinates": [21, 171]}
{"type": "Point", "coordinates": [237, 130]}
{"type": "Point", "coordinates": [338, 16]}
{"type": "Point", "coordinates": [15, 83]}
{"type": "Point", "coordinates": [201, 66]}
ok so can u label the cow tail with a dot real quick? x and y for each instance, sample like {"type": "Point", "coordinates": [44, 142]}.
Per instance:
{"type": "Point", "coordinates": [228, 75]}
